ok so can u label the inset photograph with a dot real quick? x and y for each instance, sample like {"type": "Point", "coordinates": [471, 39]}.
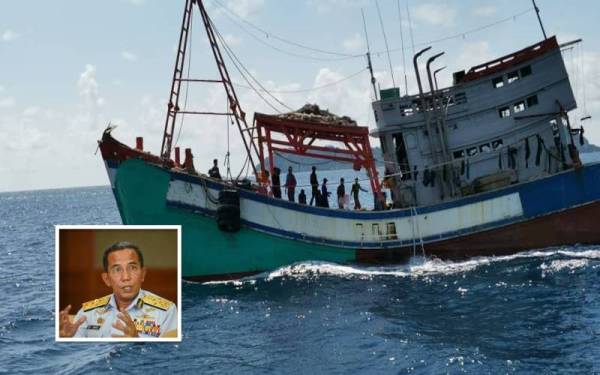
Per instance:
{"type": "Point", "coordinates": [118, 283]}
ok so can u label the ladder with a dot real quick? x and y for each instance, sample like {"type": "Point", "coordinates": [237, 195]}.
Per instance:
{"type": "Point", "coordinates": [414, 215]}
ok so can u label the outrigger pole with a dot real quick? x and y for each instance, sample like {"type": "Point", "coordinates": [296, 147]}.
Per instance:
{"type": "Point", "coordinates": [246, 132]}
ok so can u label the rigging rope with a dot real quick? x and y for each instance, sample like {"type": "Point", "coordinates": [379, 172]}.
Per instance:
{"type": "Point", "coordinates": [465, 33]}
{"type": "Point", "coordinates": [386, 43]}
{"type": "Point", "coordinates": [341, 55]}
{"type": "Point", "coordinates": [311, 89]}
{"type": "Point", "coordinates": [403, 50]}
{"type": "Point", "coordinates": [234, 58]}
{"type": "Point", "coordinates": [346, 56]}
{"type": "Point", "coordinates": [235, 64]}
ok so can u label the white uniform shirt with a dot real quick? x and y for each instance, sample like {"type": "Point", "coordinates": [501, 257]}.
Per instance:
{"type": "Point", "coordinates": [153, 316]}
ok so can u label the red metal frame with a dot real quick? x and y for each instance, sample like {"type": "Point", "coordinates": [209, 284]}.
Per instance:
{"type": "Point", "coordinates": [301, 135]}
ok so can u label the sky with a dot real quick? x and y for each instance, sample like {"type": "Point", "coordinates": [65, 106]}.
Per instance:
{"type": "Point", "coordinates": [69, 68]}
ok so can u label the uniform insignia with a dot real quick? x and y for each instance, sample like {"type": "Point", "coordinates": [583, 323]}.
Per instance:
{"type": "Point", "coordinates": [147, 326]}
{"type": "Point", "coordinates": [99, 302]}
{"type": "Point", "coordinates": [139, 304]}
{"type": "Point", "coordinates": [157, 302]}
{"type": "Point", "coordinates": [100, 321]}
{"type": "Point", "coordinates": [100, 310]}
{"type": "Point", "coordinates": [93, 326]}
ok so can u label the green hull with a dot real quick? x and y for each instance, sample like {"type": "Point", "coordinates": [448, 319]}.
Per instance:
{"type": "Point", "coordinates": [208, 253]}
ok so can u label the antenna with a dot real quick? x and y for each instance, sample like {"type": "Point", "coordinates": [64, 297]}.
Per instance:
{"type": "Point", "coordinates": [537, 12]}
{"type": "Point", "coordinates": [403, 51]}
{"type": "Point", "coordinates": [387, 49]}
{"type": "Point", "coordinates": [370, 66]}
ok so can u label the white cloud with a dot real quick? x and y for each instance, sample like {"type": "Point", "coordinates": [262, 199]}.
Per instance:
{"type": "Point", "coordinates": [472, 54]}
{"type": "Point", "coordinates": [129, 56]}
{"type": "Point", "coordinates": [137, 2]}
{"type": "Point", "coordinates": [584, 74]}
{"type": "Point", "coordinates": [31, 111]}
{"type": "Point", "coordinates": [435, 14]}
{"type": "Point", "coordinates": [232, 40]}
{"type": "Point", "coordinates": [7, 102]}
{"type": "Point", "coordinates": [348, 98]}
{"type": "Point", "coordinates": [88, 87]}
{"type": "Point", "coordinates": [485, 10]}
{"type": "Point", "coordinates": [354, 44]}
{"type": "Point", "coordinates": [9, 35]}
{"type": "Point", "coordinates": [326, 6]}
{"type": "Point", "coordinates": [245, 8]}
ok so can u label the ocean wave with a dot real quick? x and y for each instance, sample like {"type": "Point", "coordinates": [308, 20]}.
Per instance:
{"type": "Point", "coordinates": [419, 267]}
{"type": "Point", "coordinates": [563, 264]}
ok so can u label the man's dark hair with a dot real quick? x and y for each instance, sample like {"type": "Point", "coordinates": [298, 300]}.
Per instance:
{"type": "Point", "coordinates": [121, 246]}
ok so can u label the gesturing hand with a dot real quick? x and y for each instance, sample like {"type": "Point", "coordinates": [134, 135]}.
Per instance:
{"type": "Point", "coordinates": [66, 327]}
{"type": "Point", "coordinates": [125, 324]}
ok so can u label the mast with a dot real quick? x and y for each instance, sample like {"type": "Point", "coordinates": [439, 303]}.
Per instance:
{"type": "Point", "coordinates": [173, 106]}
{"type": "Point", "coordinates": [235, 110]}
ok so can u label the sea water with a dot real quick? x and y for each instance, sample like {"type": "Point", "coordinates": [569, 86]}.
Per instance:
{"type": "Point", "coordinates": [533, 312]}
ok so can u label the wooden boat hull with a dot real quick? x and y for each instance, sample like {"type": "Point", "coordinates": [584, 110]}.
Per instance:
{"type": "Point", "coordinates": [552, 211]}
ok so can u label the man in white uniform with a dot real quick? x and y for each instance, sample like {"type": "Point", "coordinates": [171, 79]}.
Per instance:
{"type": "Point", "coordinates": [129, 311]}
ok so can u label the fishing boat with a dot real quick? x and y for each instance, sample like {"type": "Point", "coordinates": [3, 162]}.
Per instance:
{"type": "Point", "coordinates": [487, 166]}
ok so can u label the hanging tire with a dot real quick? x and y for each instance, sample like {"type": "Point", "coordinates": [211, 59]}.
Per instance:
{"type": "Point", "coordinates": [228, 217]}
{"type": "Point", "coordinates": [229, 196]}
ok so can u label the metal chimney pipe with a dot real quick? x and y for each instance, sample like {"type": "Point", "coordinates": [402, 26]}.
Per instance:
{"type": "Point", "coordinates": [415, 58]}
{"type": "Point", "coordinates": [435, 77]}
{"type": "Point", "coordinates": [429, 77]}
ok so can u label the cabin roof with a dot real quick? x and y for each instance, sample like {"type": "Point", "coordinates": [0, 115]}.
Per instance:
{"type": "Point", "coordinates": [515, 58]}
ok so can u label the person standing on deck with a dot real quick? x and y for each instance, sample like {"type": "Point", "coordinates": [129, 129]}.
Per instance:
{"type": "Point", "coordinates": [314, 183]}
{"type": "Point", "coordinates": [214, 171]}
{"type": "Point", "coordinates": [290, 185]}
{"type": "Point", "coordinates": [325, 194]}
{"type": "Point", "coordinates": [276, 183]}
{"type": "Point", "coordinates": [341, 192]}
{"type": "Point", "coordinates": [356, 188]}
{"type": "Point", "coordinates": [302, 197]}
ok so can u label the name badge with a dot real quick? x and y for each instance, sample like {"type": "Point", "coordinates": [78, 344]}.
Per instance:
{"type": "Point", "coordinates": [93, 327]}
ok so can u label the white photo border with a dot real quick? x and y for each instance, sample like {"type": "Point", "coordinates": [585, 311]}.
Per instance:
{"type": "Point", "coordinates": [58, 228]}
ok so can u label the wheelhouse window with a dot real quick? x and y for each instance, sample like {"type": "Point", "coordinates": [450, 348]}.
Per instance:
{"type": "Point", "coordinates": [459, 154]}
{"type": "Point", "coordinates": [485, 148]}
{"type": "Point", "coordinates": [497, 144]}
{"type": "Point", "coordinates": [498, 82]}
{"type": "Point", "coordinates": [525, 71]}
{"type": "Point", "coordinates": [512, 77]}
{"type": "Point", "coordinates": [519, 106]}
{"type": "Point", "coordinates": [472, 151]}
{"type": "Point", "coordinates": [504, 112]}
{"type": "Point", "coordinates": [532, 100]}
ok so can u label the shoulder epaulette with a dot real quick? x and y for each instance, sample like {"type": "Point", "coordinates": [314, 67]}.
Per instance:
{"type": "Point", "coordinates": [98, 302]}
{"type": "Point", "coordinates": [156, 301]}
